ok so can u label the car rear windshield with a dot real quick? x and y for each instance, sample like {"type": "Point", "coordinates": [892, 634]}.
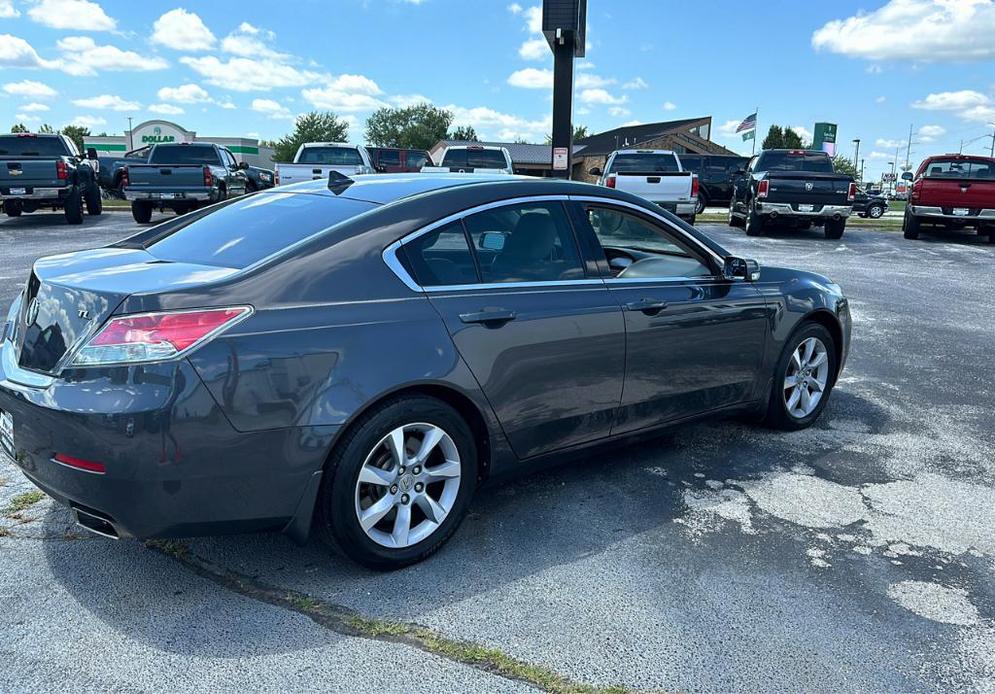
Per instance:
{"type": "Point", "coordinates": [816, 162]}
{"type": "Point", "coordinates": [954, 168]}
{"type": "Point", "coordinates": [475, 159]}
{"type": "Point", "coordinates": [30, 146]}
{"type": "Point", "coordinates": [183, 155]}
{"type": "Point", "coordinates": [246, 231]}
{"type": "Point", "coordinates": [335, 156]}
{"type": "Point", "coordinates": [644, 163]}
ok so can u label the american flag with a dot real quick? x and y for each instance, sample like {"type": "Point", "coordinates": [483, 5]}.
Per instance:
{"type": "Point", "coordinates": [749, 123]}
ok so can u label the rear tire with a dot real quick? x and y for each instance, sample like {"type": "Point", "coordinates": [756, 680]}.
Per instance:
{"type": "Point", "coordinates": [13, 208]}
{"type": "Point", "coordinates": [834, 230]}
{"type": "Point", "coordinates": [910, 226]}
{"type": "Point", "coordinates": [798, 416]}
{"type": "Point", "coordinates": [754, 224]}
{"type": "Point", "coordinates": [73, 207]}
{"type": "Point", "coordinates": [702, 204]}
{"type": "Point", "coordinates": [366, 447]}
{"type": "Point", "coordinates": [141, 211]}
{"type": "Point", "coordinates": [875, 211]}
{"type": "Point", "coordinates": [94, 204]}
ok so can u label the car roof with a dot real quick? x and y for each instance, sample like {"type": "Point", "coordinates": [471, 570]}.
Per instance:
{"type": "Point", "coordinates": [386, 188]}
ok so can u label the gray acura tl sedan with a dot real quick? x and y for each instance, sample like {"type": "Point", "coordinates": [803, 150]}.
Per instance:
{"type": "Point", "coordinates": [359, 354]}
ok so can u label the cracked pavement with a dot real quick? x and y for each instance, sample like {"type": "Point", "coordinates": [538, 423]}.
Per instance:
{"type": "Point", "coordinates": [857, 555]}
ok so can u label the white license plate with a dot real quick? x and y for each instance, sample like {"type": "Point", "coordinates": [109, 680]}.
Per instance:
{"type": "Point", "coordinates": [806, 208]}
{"type": "Point", "coordinates": [18, 191]}
{"type": "Point", "coordinates": [7, 433]}
{"type": "Point", "coordinates": [961, 211]}
{"type": "Point", "coordinates": [167, 196]}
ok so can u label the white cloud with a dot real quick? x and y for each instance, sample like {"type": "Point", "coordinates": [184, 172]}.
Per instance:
{"type": "Point", "coordinates": [271, 109]}
{"type": "Point", "coordinates": [928, 133]}
{"type": "Point", "coordinates": [638, 83]}
{"type": "Point", "coordinates": [228, 105]}
{"type": "Point", "coordinates": [630, 123]}
{"type": "Point", "coordinates": [166, 109]}
{"type": "Point", "coordinates": [26, 118]}
{"type": "Point", "coordinates": [952, 101]}
{"type": "Point", "coordinates": [531, 78]}
{"type": "Point", "coordinates": [533, 20]}
{"type": "Point", "coordinates": [880, 155]}
{"type": "Point", "coordinates": [534, 49]}
{"type": "Point", "coordinates": [81, 55]}
{"type": "Point", "coordinates": [926, 30]}
{"type": "Point", "coordinates": [495, 125]}
{"type": "Point", "coordinates": [7, 10]}
{"type": "Point", "coordinates": [587, 80]}
{"type": "Point", "coordinates": [405, 100]}
{"type": "Point", "coordinates": [584, 65]}
{"type": "Point", "coordinates": [880, 99]}
{"type": "Point", "coordinates": [804, 133]}
{"type": "Point", "coordinates": [31, 89]}
{"type": "Point", "coordinates": [34, 106]}
{"type": "Point", "coordinates": [107, 102]}
{"type": "Point", "coordinates": [669, 106]}
{"type": "Point", "coordinates": [728, 128]}
{"type": "Point", "coordinates": [16, 52]}
{"type": "Point", "coordinates": [983, 114]}
{"type": "Point", "coordinates": [245, 42]}
{"type": "Point", "coordinates": [77, 15]}
{"type": "Point", "coordinates": [618, 111]}
{"type": "Point", "coordinates": [246, 75]}
{"type": "Point", "coordinates": [885, 143]}
{"type": "Point", "coordinates": [184, 94]}
{"type": "Point", "coordinates": [337, 100]}
{"type": "Point", "coordinates": [515, 8]}
{"type": "Point", "coordinates": [182, 31]}
{"type": "Point", "coordinates": [601, 96]}
{"type": "Point", "coordinates": [89, 121]}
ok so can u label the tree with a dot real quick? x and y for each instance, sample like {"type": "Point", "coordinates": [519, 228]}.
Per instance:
{"type": "Point", "coordinates": [782, 138]}
{"type": "Point", "coordinates": [580, 132]}
{"type": "Point", "coordinates": [310, 127]}
{"type": "Point", "coordinates": [76, 133]}
{"type": "Point", "coordinates": [466, 133]}
{"type": "Point", "coordinates": [417, 127]}
{"type": "Point", "coordinates": [46, 128]}
{"type": "Point", "coordinates": [842, 165]}
{"type": "Point", "coordinates": [19, 128]}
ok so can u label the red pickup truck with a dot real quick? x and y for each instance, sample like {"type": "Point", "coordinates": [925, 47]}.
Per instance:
{"type": "Point", "coordinates": [953, 191]}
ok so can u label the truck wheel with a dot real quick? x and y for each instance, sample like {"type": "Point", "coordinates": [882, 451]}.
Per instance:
{"type": "Point", "coordinates": [94, 204]}
{"type": "Point", "coordinates": [734, 221]}
{"type": "Point", "coordinates": [702, 203]}
{"type": "Point", "coordinates": [73, 207]}
{"type": "Point", "coordinates": [141, 211]}
{"type": "Point", "coordinates": [834, 230]}
{"type": "Point", "coordinates": [12, 208]}
{"type": "Point", "coordinates": [910, 226]}
{"type": "Point", "coordinates": [875, 211]}
{"type": "Point", "coordinates": [754, 224]}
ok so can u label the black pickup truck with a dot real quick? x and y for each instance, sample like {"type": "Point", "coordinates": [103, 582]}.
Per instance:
{"type": "Point", "coordinates": [46, 170]}
{"type": "Point", "coordinates": [792, 187]}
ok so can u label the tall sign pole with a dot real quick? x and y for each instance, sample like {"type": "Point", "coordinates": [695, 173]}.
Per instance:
{"type": "Point", "coordinates": [564, 24]}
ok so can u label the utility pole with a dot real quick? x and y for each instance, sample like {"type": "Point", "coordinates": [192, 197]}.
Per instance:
{"type": "Point", "coordinates": [131, 136]}
{"type": "Point", "coordinates": [992, 151]}
{"type": "Point", "coordinates": [892, 165]}
{"type": "Point", "coordinates": [908, 150]}
{"type": "Point", "coordinates": [861, 171]}
{"type": "Point", "coordinates": [856, 151]}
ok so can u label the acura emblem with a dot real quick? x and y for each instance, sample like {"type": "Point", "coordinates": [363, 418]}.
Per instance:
{"type": "Point", "coordinates": [31, 315]}
{"type": "Point", "coordinates": [808, 186]}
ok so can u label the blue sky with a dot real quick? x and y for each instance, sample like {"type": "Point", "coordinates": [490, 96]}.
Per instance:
{"type": "Point", "coordinates": [247, 68]}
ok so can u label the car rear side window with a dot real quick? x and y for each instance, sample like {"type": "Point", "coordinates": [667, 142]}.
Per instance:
{"type": "Point", "coordinates": [246, 231]}
{"type": "Point", "coordinates": [335, 156]}
{"type": "Point", "coordinates": [31, 146]}
{"type": "Point", "coordinates": [529, 242]}
{"type": "Point", "coordinates": [441, 257]}
{"type": "Point", "coordinates": [416, 160]}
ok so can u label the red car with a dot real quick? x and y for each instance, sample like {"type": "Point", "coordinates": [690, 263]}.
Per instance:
{"type": "Point", "coordinates": [953, 191]}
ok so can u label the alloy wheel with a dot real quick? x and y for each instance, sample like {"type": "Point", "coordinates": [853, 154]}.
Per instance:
{"type": "Point", "coordinates": [408, 485]}
{"type": "Point", "coordinates": [806, 378]}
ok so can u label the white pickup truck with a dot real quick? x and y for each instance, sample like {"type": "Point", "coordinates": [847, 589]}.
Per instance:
{"type": "Point", "coordinates": [474, 159]}
{"type": "Point", "coordinates": [316, 159]}
{"type": "Point", "coordinates": [654, 174]}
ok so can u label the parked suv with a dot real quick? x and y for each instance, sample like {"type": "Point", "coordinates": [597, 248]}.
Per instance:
{"type": "Point", "coordinates": [394, 160]}
{"type": "Point", "coordinates": [47, 170]}
{"type": "Point", "coordinates": [953, 191]}
{"type": "Point", "coordinates": [716, 173]}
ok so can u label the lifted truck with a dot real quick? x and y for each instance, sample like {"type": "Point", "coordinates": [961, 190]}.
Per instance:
{"type": "Point", "coordinates": [952, 191]}
{"type": "Point", "coordinates": [792, 187]}
{"type": "Point", "coordinates": [182, 177]}
{"type": "Point", "coordinates": [46, 170]}
{"type": "Point", "coordinates": [654, 174]}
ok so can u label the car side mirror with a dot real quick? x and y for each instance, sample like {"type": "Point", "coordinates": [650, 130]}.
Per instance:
{"type": "Point", "coordinates": [492, 240]}
{"type": "Point", "coordinates": [736, 268]}
{"type": "Point", "coordinates": [91, 153]}
{"type": "Point", "coordinates": [594, 171]}
{"type": "Point", "coordinates": [243, 165]}
{"type": "Point", "coordinates": [380, 168]}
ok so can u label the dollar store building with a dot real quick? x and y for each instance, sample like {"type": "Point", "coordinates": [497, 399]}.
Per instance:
{"type": "Point", "coordinates": [162, 131]}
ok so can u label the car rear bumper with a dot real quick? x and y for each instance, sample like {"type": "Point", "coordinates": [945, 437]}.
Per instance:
{"type": "Point", "coordinates": [946, 213]}
{"type": "Point", "coordinates": [682, 209]}
{"type": "Point", "coordinates": [132, 195]}
{"type": "Point", "coordinates": [789, 210]}
{"type": "Point", "coordinates": [35, 193]}
{"type": "Point", "coordinates": [174, 465]}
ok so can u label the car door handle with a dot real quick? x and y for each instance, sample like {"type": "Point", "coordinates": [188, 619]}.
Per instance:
{"type": "Point", "coordinates": [493, 316]}
{"type": "Point", "coordinates": [650, 307]}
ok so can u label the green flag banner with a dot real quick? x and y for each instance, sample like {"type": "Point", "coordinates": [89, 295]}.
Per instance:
{"type": "Point", "coordinates": [749, 136]}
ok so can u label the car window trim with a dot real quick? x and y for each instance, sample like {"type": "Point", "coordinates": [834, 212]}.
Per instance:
{"type": "Point", "coordinates": [389, 254]}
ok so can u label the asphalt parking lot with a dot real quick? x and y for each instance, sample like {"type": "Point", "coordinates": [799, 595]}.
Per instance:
{"type": "Point", "coordinates": [858, 555]}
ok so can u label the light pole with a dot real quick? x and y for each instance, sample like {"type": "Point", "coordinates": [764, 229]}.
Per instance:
{"type": "Point", "coordinates": [131, 137]}
{"type": "Point", "coordinates": [856, 151]}
{"type": "Point", "coordinates": [892, 165]}
{"type": "Point", "coordinates": [861, 171]}
{"type": "Point", "coordinates": [992, 150]}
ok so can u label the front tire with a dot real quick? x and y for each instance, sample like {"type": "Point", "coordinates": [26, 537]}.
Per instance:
{"type": "Point", "coordinates": [875, 211]}
{"type": "Point", "coordinates": [399, 484]}
{"type": "Point", "coordinates": [141, 211]}
{"type": "Point", "coordinates": [754, 224]}
{"type": "Point", "coordinates": [94, 204]}
{"type": "Point", "coordinates": [803, 379]}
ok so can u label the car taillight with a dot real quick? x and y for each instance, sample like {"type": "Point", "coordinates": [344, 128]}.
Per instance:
{"type": "Point", "coordinates": [61, 170]}
{"type": "Point", "coordinates": [156, 336]}
{"type": "Point", "coordinates": [851, 193]}
{"type": "Point", "coordinates": [763, 188]}
{"type": "Point", "coordinates": [124, 177]}
{"type": "Point", "coordinates": [208, 177]}
{"type": "Point", "coordinates": [80, 463]}
{"type": "Point", "coordinates": [694, 185]}
{"type": "Point", "coordinates": [610, 181]}
{"type": "Point", "coordinates": [276, 177]}
{"type": "Point", "coordinates": [916, 190]}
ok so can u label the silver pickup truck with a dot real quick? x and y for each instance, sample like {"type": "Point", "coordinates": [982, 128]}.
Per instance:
{"type": "Point", "coordinates": [654, 174]}
{"type": "Point", "coordinates": [316, 160]}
